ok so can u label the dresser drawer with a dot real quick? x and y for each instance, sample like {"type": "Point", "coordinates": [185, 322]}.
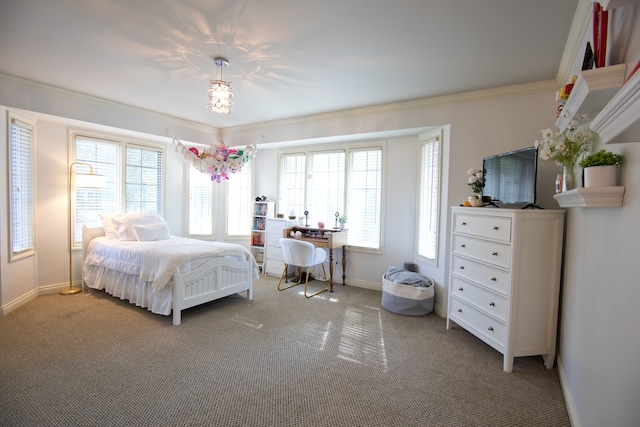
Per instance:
{"type": "Point", "coordinates": [274, 267]}
{"type": "Point", "coordinates": [273, 240]}
{"type": "Point", "coordinates": [277, 226]}
{"type": "Point", "coordinates": [489, 276]}
{"type": "Point", "coordinates": [486, 227]}
{"type": "Point", "coordinates": [486, 300]}
{"type": "Point", "coordinates": [275, 253]}
{"type": "Point", "coordinates": [479, 322]}
{"type": "Point", "coordinates": [495, 253]}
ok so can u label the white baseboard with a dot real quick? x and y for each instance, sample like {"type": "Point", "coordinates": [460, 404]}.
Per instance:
{"type": "Point", "coordinates": [19, 302]}
{"type": "Point", "coordinates": [568, 397]}
{"type": "Point", "coordinates": [33, 294]}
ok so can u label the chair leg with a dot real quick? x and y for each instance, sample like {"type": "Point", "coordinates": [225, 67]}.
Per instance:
{"type": "Point", "coordinates": [284, 275]}
{"type": "Point", "coordinates": [326, 283]}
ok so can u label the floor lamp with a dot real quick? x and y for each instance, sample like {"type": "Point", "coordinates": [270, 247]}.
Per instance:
{"type": "Point", "coordinates": [79, 180]}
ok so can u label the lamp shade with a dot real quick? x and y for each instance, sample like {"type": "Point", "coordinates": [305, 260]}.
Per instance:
{"type": "Point", "coordinates": [90, 180]}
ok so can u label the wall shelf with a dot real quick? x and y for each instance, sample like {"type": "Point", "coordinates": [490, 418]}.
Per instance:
{"type": "Point", "coordinates": [619, 120]}
{"type": "Point", "coordinates": [593, 197]}
{"type": "Point", "coordinates": [592, 91]}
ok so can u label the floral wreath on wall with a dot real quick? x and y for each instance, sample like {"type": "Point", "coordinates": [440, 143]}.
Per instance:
{"type": "Point", "coordinates": [218, 161]}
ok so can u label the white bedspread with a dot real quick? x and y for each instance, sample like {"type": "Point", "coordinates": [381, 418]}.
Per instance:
{"type": "Point", "coordinates": [159, 264]}
{"type": "Point", "coordinates": [165, 256]}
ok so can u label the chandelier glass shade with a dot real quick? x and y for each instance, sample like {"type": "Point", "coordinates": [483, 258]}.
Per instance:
{"type": "Point", "coordinates": [220, 91]}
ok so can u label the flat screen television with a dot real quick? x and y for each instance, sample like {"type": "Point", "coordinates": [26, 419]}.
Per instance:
{"type": "Point", "coordinates": [510, 178]}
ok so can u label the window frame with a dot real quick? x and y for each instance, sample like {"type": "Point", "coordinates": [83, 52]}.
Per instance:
{"type": "Point", "coordinates": [248, 171]}
{"type": "Point", "coordinates": [30, 123]}
{"type": "Point", "coordinates": [425, 138]}
{"type": "Point", "coordinates": [347, 148]}
{"type": "Point", "coordinates": [121, 195]}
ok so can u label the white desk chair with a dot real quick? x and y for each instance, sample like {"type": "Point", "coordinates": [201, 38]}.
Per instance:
{"type": "Point", "coordinates": [302, 255]}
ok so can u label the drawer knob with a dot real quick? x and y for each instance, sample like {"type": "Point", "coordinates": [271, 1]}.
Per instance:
{"type": "Point", "coordinates": [464, 223]}
{"type": "Point", "coordinates": [461, 267]}
{"type": "Point", "coordinates": [463, 245]}
{"type": "Point", "coordinates": [490, 328]}
{"type": "Point", "coordinates": [459, 310]}
{"type": "Point", "coordinates": [495, 227]}
{"type": "Point", "coordinates": [494, 253]}
{"type": "Point", "coordinates": [461, 289]}
{"type": "Point", "coordinates": [493, 279]}
{"type": "Point", "coordinates": [492, 304]}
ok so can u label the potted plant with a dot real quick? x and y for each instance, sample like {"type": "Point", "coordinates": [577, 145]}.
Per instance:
{"type": "Point", "coordinates": [343, 221]}
{"type": "Point", "coordinates": [600, 168]}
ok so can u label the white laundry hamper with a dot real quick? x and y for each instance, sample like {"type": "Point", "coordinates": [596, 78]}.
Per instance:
{"type": "Point", "coordinates": [407, 299]}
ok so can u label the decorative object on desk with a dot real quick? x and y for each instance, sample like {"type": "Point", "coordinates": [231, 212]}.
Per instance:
{"type": "Point", "coordinates": [306, 218]}
{"type": "Point", "coordinates": [218, 161]}
{"type": "Point", "coordinates": [565, 148]}
{"type": "Point", "coordinates": [320, 224]}
{"type": "Point", "coordinates": [600, 169]}
{"type": "Point", "coordinates": [343, 221]}
{"type": "Point", "coordinates": [292, 214]}
{"type": "Point", "coordinates": [476, 179]}
{"type": "Point", "coordinates": [337, 215]}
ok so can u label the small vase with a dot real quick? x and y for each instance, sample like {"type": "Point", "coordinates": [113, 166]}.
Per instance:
{"type": "Point", "coordinates": [568, 178]}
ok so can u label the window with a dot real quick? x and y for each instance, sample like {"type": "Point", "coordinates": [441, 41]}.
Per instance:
{"type": "Point", "coordinates": [133, 174]}
{"type": "Point", "coordinates": [348, 181]}
{"type": "Point", "coordinates": [200, 203]}
{"type": "Point", "coordinates": [22, 186]}
{"type": "Point", "coordinates": [239, 214]}
{"type": "Point", "coordinates": [429, 196]}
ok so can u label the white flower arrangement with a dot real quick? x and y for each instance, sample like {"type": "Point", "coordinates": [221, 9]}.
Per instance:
{"type": "Point", "coordinates": [476, 179]}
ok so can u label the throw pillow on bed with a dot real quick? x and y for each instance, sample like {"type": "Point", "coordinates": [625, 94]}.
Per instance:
{"type": "Point", "coordinates": [149, 232]}
{"type": "Point", "coordinates": [123, 224]}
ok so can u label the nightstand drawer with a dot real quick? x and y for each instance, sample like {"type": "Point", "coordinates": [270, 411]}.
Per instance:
{"type": "Point", "coordinates": [486, 227]}
{"type": "Point", "coordinates": [489, 276]}
{"type": "Point", "coordinates": [484, 250]}
{"type": "Point", "coordinates": [488, 301]}
{"type": "Point", "coordinates": [479, 322]}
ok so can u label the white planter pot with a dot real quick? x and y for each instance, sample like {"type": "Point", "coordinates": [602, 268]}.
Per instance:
{"type": "Point", "coordinates": [600, 176]}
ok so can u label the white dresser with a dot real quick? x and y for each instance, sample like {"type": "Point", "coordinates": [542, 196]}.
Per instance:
{"type": "Point", "coordinates": [273, 260]}
{"type": "Point", "coordinates": [505, 277]}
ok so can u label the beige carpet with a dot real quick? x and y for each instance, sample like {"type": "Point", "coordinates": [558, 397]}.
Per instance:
{"type": "Point", "coordinates": [280, 360]}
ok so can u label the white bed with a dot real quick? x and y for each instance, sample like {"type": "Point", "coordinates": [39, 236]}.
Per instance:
{"type": "Point", "coordinates": [168, 284]}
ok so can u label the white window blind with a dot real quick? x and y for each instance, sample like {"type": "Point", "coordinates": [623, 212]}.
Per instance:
{"type": "Point", "coordinates": [22, 186]}
{"type": "Point", "coordinates": [429, 197]}
{"type": "Point", "coordinates": [143, 179]}
{"type": "Point", "coordinates": [239, 206]}
{"type": "Point", "coordinates": [325, 187]}
{"type": "Point", "coordinates": [365, 198]}
{"type": "Point", "coordinates": [292, 183]}
{"type": "Point", "coordinates": [200, 203]}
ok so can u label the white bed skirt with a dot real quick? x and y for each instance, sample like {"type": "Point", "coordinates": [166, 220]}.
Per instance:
{"type": "Point", "coordinates": [129, 287]}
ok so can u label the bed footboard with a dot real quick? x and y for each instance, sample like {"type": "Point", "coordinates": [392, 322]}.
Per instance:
{"type": "Point", "coordinates": [214, 279]}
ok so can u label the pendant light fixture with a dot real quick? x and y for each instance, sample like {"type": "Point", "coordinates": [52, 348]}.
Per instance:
{"type": "Point", "coordinates": [220, 94]}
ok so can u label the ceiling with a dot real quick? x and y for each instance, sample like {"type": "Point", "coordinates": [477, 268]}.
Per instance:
{"type": "Point", "coordinates": [288, 58]}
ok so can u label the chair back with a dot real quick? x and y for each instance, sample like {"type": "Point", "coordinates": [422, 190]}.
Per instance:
{"type": "Point", "coordinates": [300, 253]}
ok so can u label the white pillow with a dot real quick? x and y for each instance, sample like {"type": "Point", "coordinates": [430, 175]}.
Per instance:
{"type": "Point", "coordinates": [148, 232]}
{"type": "Point", "coordinates": [110, 231]}
{"type": "Point", "coordinates": [123, 224]}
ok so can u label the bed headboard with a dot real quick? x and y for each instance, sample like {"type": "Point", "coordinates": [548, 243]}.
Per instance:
{"type": "Point", "coordinates": [88, 234]}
